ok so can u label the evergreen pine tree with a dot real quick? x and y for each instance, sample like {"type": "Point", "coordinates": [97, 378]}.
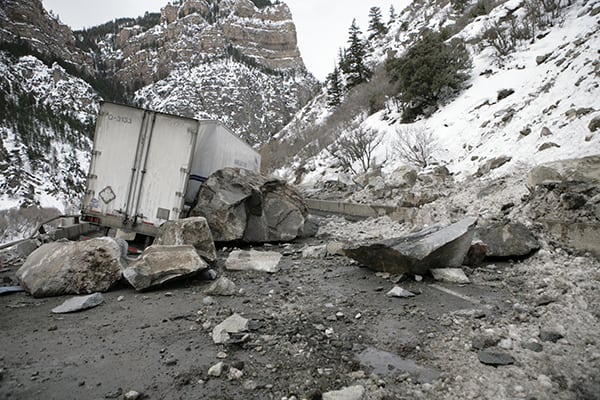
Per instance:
{"type": "Point", "coordinates": [354, 67]}
{"type": "Point", "coordinates": [429, 71]}
{"type": "Point", "coordinates": [376, 27]}
{"type": "Point", "coordinates": [393, 15]}
{"type": "Point", "coordinates": [335, 88]}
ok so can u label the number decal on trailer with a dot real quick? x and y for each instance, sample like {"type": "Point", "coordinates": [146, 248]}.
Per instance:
{"type": "Point", "coordinates": [118, 118]}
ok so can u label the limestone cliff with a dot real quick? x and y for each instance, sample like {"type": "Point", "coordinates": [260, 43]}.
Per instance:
{"type": "Point", "coordinates": [28, 24]}
{"type": "Point", "coordinates": [195, 32]}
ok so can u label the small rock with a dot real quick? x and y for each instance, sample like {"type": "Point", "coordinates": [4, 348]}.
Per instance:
{"type": "Point", "coordinates": [547, 145]}
{"type": "Point", "coordinates": [221, 355]}
{"type": "Point", "coordinates": [120, 298]}
{"type": "Point", "coordinates": [397, 291]}
{"type": "Point", "coordinates": [314, 252]}
{"type": "Point", "coordinates": [533, 346]}
{"type": "Point", "coordinates": [222, 287]}
{"type": "Point", "coordinates": [113, 395]}
{"type": "Point", "coordinates": [356, 392]}
{"type": "Point", "coordinates": [573, 201]}
{"type": "Point", "coordinates": [233, 324]}
{"type": "Point", "coordinates": [79, 303]}
{"type": "Point", "coordinates": [476, 254]}
{"type": "Point", "coordinates": [594, 124]}
{"type": "Point", "coordinates": [208, 274]}
{"type": "Point", "coordinates": [525, 131]}
{"type": "Point", "coordinates": [216, 370]}
{"type": "Point", "coordinates": [544, 381]}
{"type": "Point", "coordinates": [335, 249]}
{"type": "Point", "coordinates": [171, 362]}
{"type": "Point", "coordinates": [504, 93]}
{"type": "Point", "coordinates": [265, 261]}
{"type": "Point", "coordinates": [542, 59]}
{"type": "Point", "coordinates": [234, 374]}
{"type": "Point", "coordinates": [208, 301]}
{"type": "Point", "coordinates": [495, 357]}
{"type": "Point", "coordinates": [249, 385]}
{"type": "Point", "coordinates": [546, 131]}
{"type": "Point", "coordinates": [548, 335]}
{"type": "Point", "coordinates": [452, 275]}
{"type": "Point", "coordinates": [133, 395]}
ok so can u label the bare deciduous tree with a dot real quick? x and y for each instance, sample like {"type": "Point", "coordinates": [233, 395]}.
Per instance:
{"type": "Point", "coordinates": [415, 145]}
{"type": "Point", "coordinates": [355, 144]}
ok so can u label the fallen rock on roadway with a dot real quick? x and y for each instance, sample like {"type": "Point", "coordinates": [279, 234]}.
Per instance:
{"type": "Point", "coordinates": [79, 303]}
{"type": "Point", "coordinates": [159, 264]}
{"type": "Point", "coordinates": [507, 239]}
{"type": "Point", "coordinates": [188, 231]}
{"type": "Point", "coordinates": [419, 252]}
{"type": "Point", "coordinates": [61, 268]}
{"type": "Point", "coordinates": [263, 261]}
{"type": "Point", "coordinates": [234, 324]}
{"type": "Point", "coordinates": [242, 205]}
{"type": "Point", "coordinates": [452, 275]}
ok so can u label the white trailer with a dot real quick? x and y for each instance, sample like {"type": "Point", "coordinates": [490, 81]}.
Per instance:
{"type": "Point", "coordinates": [147, 166]}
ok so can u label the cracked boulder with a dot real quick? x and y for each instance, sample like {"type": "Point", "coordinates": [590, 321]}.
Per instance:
{"type": "Point", "coordinates": [160, 264]}
{"type": "Point", "coordinates": [242, 205]}
{"type": "Point", "coordinates": [418, 253]}
{"type": "Point", "coordinates": [60, 268]}
{"type": "Point", "coordinates": [507, 239]}
{"type": "Point", "coordinates": [188, 231]}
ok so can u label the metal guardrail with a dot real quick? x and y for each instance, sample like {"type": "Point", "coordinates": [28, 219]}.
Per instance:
{"type": "Point", "coordinates": [38, 231]}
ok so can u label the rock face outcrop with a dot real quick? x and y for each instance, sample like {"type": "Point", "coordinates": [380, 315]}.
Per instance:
{"type": "Point", "coordinates": [28, 23]}
{"type": "Point", "coordinates": [244, 205]}
{"type": "Point", "coordinates": [195, 30]}
{"type": "Point", "coordinates": [418, 253]}
{"type": "Point", "coordinates": [60, 268]}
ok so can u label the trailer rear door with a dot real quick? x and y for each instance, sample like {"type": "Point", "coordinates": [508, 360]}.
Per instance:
{"type": "Point", "coordinates": [139, 167]}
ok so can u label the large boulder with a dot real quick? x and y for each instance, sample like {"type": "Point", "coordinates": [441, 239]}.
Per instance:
{"type": "Point", "coordinates": [61, 268]}
{"type": "Point", "coordinates": [506, 239]}
{"type": "Point", "coordinates": [419, 252]}
{"type": "Point", "coordinates": [492, 164]}
{"type": "Point", "coordinates": [244, 205]}
{"type": "Point", "coordinates": [542, 175]}
{"type": "Point", "coordinates": [189, 231]}
{"type": "Point", "coordinates": [403, 177]}
{"type": "Point", "coordinates": [160, 264]}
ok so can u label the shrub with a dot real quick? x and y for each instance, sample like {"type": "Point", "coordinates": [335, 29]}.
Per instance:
{"type": "Point", "coordinates": [414, 145]}
{"type": "Point", "coordinates": [355, 144]}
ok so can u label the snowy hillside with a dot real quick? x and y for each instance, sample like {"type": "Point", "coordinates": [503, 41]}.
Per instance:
{"type": "Point", "coordinates": [250, 101]}
{"type": "Point", "coordinates": [533, 105]}
{"type": "Point", "coordinates": [46, 124]}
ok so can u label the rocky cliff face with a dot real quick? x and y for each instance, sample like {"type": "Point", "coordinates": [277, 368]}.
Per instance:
{"type": "Point", "coordinates": [27, 23]}
{"type": "Point", "coordinates": [195, 32]}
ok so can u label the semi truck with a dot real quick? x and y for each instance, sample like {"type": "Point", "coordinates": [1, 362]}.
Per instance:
{"type": "Point", "coordinates": [147, 167]}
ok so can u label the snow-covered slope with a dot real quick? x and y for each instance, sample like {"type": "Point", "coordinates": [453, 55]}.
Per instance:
{"type": "Point", "coordinates": [551, 88]}
{"type": "Point", "coordinates": [46, 124]}
{"type": "Point", "coordinates": [250, 101]}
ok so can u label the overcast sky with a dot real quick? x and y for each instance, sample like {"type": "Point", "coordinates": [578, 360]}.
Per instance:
{"type": "Point", "coordinates": [322, 25]}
